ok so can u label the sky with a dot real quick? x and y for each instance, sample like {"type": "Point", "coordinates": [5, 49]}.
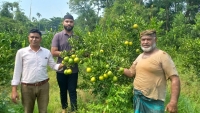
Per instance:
{"type": "Point", "coordinates": [47, 8]}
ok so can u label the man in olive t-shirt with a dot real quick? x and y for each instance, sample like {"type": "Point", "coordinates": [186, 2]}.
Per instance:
{"type": "Point", "coordinates": [151, 70]}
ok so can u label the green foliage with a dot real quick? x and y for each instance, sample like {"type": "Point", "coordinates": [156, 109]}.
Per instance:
{"type": "Point", "coordinates": [113, 43]}
{"type": "Point", "coordinates": [119, 100]}
{"type": "Point", "coordinates": [196, 27]}
{"type": "Point", "coordinates": [87, 15]}
{"type": "Point", "coordinates": [192, 48]}
{"type": "Point", "coordinates": [10, 43]}
{"type": "Point", "coordinates": [10, 25]}
{"type": "Point", "coordinates": [7, 7]}
{"type": "Point", "coordinates": [5, 103]}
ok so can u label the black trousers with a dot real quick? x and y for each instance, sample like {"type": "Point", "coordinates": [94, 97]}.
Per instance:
{"type": "Point", "coordinates": [68, 84]}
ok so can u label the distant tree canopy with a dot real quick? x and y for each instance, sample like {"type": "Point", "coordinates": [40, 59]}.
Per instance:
{"type": "Point", "coordinates": [14, 19]}
{"type": "Point", "coordinates": [89, 10]}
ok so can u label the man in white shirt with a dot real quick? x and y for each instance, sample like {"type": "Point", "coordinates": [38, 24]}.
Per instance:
{"type": "Point", "coordinates": [31, 71]}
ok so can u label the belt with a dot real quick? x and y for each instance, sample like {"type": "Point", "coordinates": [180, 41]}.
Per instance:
{"type": "Point", "coordinates": [37, 83]}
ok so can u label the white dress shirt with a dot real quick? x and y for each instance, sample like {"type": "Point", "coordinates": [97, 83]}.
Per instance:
{"type": "Point", "coordinates": [31, 66]}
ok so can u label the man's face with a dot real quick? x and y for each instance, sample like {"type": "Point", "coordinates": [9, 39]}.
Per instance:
{"type": "Point", "coordinates": [68, 24]}
{"type": "Point", "coordinates": [34, 39]}
{"type": "Point", "coordinates": [148, 43]}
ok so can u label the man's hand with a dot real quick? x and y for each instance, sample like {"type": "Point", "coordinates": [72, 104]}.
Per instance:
{"type": "Point", "coordinates": [172, 107]}
{"type": "Point", "coordinates": [15, 97]}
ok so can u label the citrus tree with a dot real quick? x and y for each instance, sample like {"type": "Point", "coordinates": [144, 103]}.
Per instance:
{"type": "Point", "coordinates": [104, 53]}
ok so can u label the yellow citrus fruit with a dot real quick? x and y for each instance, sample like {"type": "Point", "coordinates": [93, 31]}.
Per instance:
{"type": "Point", "coordinates": [107, 66]}
{"type": "Point", "coordinates": [101, 51]}
{"type": "Point", "coordinates": [76, 60]}
{"type": "Point", "coordinates": [135, 26]}
{"type": "Point", "coordinates": [101, 78]}
{"type": "Point", "coordinates": [110, 73]}
{"type": "Point", "coordinates": [105, 75]}
{"type": "Point", "coordinates": [67, 71]}
{"type": "Point", "coordinates": [130, 43]}
{"type": "Point", "coordinates": [93, 79]}
{"type": "Point", "coordinates": [66, 59]}
{"type": "Point", "coordinates": [137, 50]}
{"type": "Point", "coordinates": [73, 56]}
{"type": "Point", "coordinates": [121, 70]}
{"type": "Point", "coordinates": [115, 78]}
{"type": "Point", "coordinates": [126, 42]}
{"type": "Point", "coordinates": [89, 70]}
{"type": "Point", "coordinates": [63, 62]}
{"type": "Point", "coordinates": [70, 61]}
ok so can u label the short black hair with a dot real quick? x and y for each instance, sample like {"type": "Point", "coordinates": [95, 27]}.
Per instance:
{"type": "Point", "coordinates": [35, 31]}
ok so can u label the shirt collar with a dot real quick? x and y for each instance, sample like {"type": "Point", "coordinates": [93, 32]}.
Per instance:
{"type": "Point", "coordinates": [64, 32]}
{"type": "Point", "coordinates": [29, 48]}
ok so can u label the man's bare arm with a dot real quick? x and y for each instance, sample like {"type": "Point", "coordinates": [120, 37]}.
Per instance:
{"type": "Point", "coordinates": [55, 52]}
{"type": "Point", "coordinates": [175, 92]}
{"type": "Point", "coordinates": [128, 73]}
{"type": "Point", "coordinates": [175, 88]}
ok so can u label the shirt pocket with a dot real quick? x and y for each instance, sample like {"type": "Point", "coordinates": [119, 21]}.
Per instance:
{"type": "Point", "coordinates": [44, 61]}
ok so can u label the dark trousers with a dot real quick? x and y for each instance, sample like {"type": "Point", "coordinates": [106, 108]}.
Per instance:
{"type": "Point", "coordinates": [68, 83]}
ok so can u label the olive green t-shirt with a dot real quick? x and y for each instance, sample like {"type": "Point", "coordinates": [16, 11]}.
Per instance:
{"type": "Point", "coordinates": [152, 74]}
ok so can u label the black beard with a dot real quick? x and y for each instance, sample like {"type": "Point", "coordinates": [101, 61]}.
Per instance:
{"type": "Point", "coordinates": [69, 28]}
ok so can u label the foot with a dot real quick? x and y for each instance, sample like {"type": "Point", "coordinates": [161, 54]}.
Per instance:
{"type": "Point", "coordinates": [64, 111]}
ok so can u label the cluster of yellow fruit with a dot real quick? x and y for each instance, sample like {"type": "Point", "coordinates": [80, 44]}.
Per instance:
{"type": "Point", "coordinates": [128, 43]}
{"type": "Point", "coordinates": [69, 61]}
{"type": "Point", "coordinates": [105, 75]}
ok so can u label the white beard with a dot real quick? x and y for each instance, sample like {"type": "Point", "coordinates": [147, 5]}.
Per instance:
{"type": "Point", "coordinates": [149, 48]}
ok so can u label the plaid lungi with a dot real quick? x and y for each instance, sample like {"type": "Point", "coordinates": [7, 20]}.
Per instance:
{"type": "Point", "coordinates": [143, 104]}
